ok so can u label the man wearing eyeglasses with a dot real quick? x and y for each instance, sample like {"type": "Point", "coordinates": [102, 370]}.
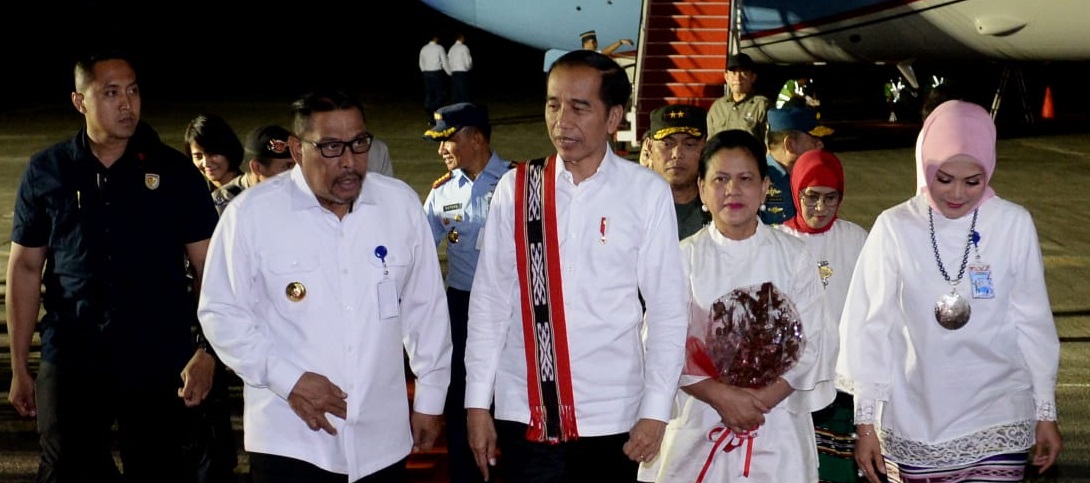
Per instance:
{"type": "Point", "coordinates": [741, 107]}
{"type": "Point", "coordinates": [673, 144]}
{"type": "Point", "coordinates": [792, 130]}
{"type": "Point", "coordinates": [316, 286]}
{"type": "Point", "coordinates": [817, 179]}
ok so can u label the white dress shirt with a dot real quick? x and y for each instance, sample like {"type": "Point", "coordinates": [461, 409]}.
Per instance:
{"type": "Point", "coordinates": [378, 158]}
{"type": "Point", "coordinates": [838, 248]}
{"type": "Point", "coordinates": [950, 397]}
{"type": "Point", "coordinates": [784, 449]}
{"type": "Point", "coordinates": [347, 326]}
{"type": "Point", "coordinates": [617, 376]}
{"type": "Point", "coordinates": [458, 55]}
{"type": "Point", "coordinates": [433, 57]}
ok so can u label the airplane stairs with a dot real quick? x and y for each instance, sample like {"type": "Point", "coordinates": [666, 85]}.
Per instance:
{"type": "Point", "coordinates": [681, 57]}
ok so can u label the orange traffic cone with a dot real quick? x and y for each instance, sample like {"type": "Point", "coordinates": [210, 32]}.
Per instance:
{"type": "Point", "coordinates": [1046, 106]}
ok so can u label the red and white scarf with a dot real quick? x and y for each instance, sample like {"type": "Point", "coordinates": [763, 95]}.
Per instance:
{"type": "Point", "coordinates": [548, 369]}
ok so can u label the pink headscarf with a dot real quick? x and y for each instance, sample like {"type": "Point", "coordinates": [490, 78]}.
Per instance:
{"type": "Point", "coordinates": [815, 167]}
{"type": "Point", "coordinates": [955, 128]}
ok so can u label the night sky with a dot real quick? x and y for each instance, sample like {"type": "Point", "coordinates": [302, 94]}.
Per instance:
{"type": "Point", "coordinates": [237, 49]}
{"type": "Point", "coordinates": [230, 50]}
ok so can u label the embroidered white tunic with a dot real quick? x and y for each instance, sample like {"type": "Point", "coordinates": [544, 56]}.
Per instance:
{"type": "Point", "coordinates": [617, 378]}
{"type": "Point", "coordinates": [784, 448]}
{"type": "Point", "coordinates": [949, 397]}
{"type": "Point", "coordinates": [275, 235]}
{"type": "Point", "coordinates": [838, 247]}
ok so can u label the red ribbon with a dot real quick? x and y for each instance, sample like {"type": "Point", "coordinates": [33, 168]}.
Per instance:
{"type": "Point", "coordinates": [719, 435]}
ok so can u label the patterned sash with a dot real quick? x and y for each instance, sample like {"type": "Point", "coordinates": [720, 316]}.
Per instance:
{"type": "Point", "coordinates": [548, 371]}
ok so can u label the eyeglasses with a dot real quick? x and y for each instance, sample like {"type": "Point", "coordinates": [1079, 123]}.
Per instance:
{"type": "Point", "coordinates": [811, 198]}
{"type": "Point", "coordinates": [334, 149]}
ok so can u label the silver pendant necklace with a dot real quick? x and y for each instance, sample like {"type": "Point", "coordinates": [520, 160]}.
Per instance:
{"type": "Point", "coordinates": [952, 310]}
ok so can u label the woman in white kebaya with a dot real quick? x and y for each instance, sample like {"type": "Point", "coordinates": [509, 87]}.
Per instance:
{"type": "Point", "coordinates": [743, 273]}
{"type": "Point", "coordinates": [817, 183]}
{"type": "Point", "coordinates": [948, 334]}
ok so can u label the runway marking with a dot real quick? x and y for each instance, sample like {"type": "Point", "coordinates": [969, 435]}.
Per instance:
{"type": "Point", "coordinates": [1053, 148]}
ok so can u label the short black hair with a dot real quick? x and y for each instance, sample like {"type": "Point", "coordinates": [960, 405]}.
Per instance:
{"type": "Point", "coordinates": [616, 89]}
{"type": "Point", "coordinates": [213, 133]}
{"type": "Point", "coordinates": [323, 99]}
{"type": "Point", "coordinates": [84, 68]}
{"type": "Point", "coordinates": [734, 139]}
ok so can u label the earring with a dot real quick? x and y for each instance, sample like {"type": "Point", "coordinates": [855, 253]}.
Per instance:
{"type": "Point", "coordinates": [762, 208]}
{"type": "Point", "coordinates": [704, 208]}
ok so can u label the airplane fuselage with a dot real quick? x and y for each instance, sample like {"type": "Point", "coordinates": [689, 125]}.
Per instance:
{"type": "Point", "coordinates": [806, 31]}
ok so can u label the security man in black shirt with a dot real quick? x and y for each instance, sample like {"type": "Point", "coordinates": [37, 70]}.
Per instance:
{"type": "Point", "coordinates": [104, 221]}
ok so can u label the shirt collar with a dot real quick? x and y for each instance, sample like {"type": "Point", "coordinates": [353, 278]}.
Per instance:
{"type": "Point", "coordinates": [607, 166]}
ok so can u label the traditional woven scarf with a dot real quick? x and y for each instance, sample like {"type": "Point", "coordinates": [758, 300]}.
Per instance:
{"type": "Point", "coordinates": [548, 370]}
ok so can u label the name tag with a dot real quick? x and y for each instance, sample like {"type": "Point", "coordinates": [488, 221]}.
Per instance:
{"type": "Point", "coordinates": [980, 276]}
{"type": "Point", "coordinates": [388, 306]}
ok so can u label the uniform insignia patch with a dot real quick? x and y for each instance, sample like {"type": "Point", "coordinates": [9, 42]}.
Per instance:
{"type": "Point", "coordinates": [442, 179]}
{"type": "Point", "coordinates": [295, 291]}
{"type": "Point", "coordinates": [151, 181]}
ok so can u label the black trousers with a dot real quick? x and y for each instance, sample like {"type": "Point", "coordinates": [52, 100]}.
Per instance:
{"type": "Point", "coordinates": [459, 86]}
{"type": "Point", "coordinates": [599, 458]}
{"type": "Point", "coordinates": [462, 466]}
{"type": "Point", "coordinates": [435, 91]}
{"type": "Point", "coordinates": [270, 468]}
{"type": "Point", "coordinates": [214, 442]}
{"type": "Point", "coordinates": [80, 400]}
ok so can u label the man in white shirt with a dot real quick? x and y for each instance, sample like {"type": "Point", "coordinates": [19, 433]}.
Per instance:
{"type": "Point", "coordinates": [314, 309]}
{"type": "Point", "coordinates": [435, 67]}
{"type": "Point", "coordinates": [555, 323]}
{"type": "Point", "coordinates": [461, 63]}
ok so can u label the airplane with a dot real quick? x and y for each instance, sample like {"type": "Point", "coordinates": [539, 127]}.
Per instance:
{"type": "Point", "coordinates": [805, 31]}
{"type": "Point", "coordinates": [897, 33]}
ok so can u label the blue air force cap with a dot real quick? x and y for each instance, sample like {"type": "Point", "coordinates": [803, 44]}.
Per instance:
{"type": "Point", "coordinates": [449, 119]}
{"type": "Point", "coordinates": [797, 118]}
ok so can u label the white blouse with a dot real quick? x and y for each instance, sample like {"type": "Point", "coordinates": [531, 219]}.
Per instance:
{"type": "Point", "coordinates": [944, 397]}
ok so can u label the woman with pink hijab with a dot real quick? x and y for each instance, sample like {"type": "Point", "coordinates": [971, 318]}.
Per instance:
{"type": "Point", "coordinates": [949, 340]}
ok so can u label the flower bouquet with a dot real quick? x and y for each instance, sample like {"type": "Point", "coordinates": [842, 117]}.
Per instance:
{"type": "Point", "coordinates": [750, 337]}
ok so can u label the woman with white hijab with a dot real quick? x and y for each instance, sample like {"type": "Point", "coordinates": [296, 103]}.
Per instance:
{"type": "Point", "coordinates": [948, 334]}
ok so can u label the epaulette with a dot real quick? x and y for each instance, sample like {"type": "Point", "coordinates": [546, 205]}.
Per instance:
{"type": "Point", "coordinates": [442, 180]}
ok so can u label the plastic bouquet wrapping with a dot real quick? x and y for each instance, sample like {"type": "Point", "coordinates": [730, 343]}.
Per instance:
{"type": "Point", "coordinates": [749, 338]}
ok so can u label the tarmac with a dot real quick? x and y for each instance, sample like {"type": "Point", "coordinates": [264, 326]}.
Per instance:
{"type": "Point", "coordinates": [1044, 166]}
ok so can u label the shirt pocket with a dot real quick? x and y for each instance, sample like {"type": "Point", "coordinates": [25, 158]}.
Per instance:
{"type": "Point", "coordinates": [395, 266]}
{"type": "Point", "coordinates": [292, 283]}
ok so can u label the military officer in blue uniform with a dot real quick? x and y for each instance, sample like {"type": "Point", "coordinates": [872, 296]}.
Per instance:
{"type": "Point", "coordinates": [792, 130]}
{"type": "Point", "coordinates": [456, 209]}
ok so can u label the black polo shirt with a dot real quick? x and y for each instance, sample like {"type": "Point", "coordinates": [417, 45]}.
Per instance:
{"type": "Point", "coordinates": [114, 275]}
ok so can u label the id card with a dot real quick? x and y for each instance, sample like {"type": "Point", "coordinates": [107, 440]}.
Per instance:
{"type": "Point", "coordinates": [388, 306]}
{"type": "Point", "coordinates": [980, 276]}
